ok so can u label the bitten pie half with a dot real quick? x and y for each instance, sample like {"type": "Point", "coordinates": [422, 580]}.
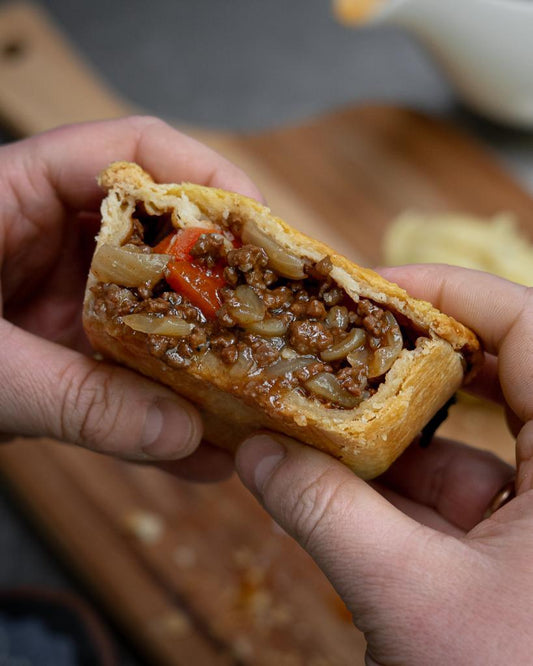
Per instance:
{"type": "Point", "coordinates": [264, 328]}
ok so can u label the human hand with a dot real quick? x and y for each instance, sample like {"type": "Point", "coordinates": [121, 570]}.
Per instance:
{"type": "Point", "coordinates": [48, 220]}
{"type": "Point", "coordinates": [427, 579]}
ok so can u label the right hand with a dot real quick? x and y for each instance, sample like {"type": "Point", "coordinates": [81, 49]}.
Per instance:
{"type": "Point", "coordinates": [427, 579]}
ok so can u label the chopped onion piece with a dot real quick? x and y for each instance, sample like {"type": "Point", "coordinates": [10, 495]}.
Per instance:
{"type": "Point", "coordinates": [288, 352]}
{"type": "Point", "coordinates": [358, 357]}
{"type": "Point", "coordinates": [244, 364]}
{"type": "Point", "coordinates": [156, 325]}
{"type": "Point", "coordinates": [354, 339]}
{"type": "Point", "coordinates": [130, 247]}
{"type": "Point", "coordinates": [269, 328]}
{"type": "Point", "coordinates": [337, 317]}
{"type": "Point", "coordinates": [126, 268]}
{"type": "Point", "coordinates": [211, 364]}
{"type": "Point", "coordinates": [286, 366]}
{"type": "Point", "coordinates": [326, 385]}
{"type": "Point", "coordinates": [284, 263]}
{"type": "Point", "coordinates": [250, 309]}
{"type": "Point", "coordinates": [384, 357]}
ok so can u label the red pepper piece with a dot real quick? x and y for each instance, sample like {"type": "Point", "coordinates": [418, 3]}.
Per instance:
{"type": "Point", "coordinates": [200, 285]}
{"type": "Point", "coordinates": [194, 281]}
{"type": "Point", "coordinates": [180, 243]}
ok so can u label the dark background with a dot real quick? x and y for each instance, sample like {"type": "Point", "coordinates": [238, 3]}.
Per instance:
{"type": "Point", "coordinates": [242, 65]}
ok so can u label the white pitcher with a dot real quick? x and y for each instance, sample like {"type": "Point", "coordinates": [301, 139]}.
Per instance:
{"type": "Point", "coordinates": [484, 46]}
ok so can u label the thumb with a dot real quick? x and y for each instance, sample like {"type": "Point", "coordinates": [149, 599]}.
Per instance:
{"type": "Point", "coordinates": [409, 588]}
{"type": "Point", "coordinates": [48, 390]}
{"type": "Point", "coordinates": [359, 540]}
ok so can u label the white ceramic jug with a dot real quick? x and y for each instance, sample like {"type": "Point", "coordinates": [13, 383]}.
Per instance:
{"type": "Point", "coordinates": [484, 46]}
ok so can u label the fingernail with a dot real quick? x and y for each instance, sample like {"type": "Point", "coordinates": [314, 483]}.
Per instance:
{"type": "Point", "coordinates": [169, 431]}
{"type": "Point", "coordinates": [260, 455]}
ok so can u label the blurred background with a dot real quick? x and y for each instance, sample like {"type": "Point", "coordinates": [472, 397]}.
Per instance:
{"type": "Point", "coordinates": [250, 65]}
{"type": "Point", "coordinates": [244, 66]}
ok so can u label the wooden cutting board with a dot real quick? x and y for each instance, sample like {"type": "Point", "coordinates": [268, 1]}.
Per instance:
{"type": "Point", "coordinates": [200, 574]}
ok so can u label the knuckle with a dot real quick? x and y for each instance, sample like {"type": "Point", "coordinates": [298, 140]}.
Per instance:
{"type": "Point", "coordinates": [316, 506]}
{"type": "Point", "coordinates": [148, 129]}
{"type": "Point", "coordinates": [89, 410]}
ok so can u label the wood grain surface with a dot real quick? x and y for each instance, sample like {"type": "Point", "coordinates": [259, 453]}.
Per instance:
{"type": "Point", "coordinates": [200, 574]}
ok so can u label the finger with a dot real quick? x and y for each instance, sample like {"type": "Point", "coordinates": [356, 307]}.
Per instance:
{"type": "Point", "coordinates": [48, 390]}
{"type": "Point", "coordinates": [489, 305]}
{"type": "Point", "coordinates": [62, 165]}
{"type": "Point", "coordinates": [486, 383]}
{"type": "Point", "coordinates": [524, 452]}
{"type": "Point", "coordinates": [454, 479]}
{"type": "Point", "coordinates": [43, 294]}
{"type": "Point", "coordinates": [500, 312]}
{"type": "Point", "coordinates": [352, 532]}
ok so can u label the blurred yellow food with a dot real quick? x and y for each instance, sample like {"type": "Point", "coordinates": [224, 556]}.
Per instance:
{"type": "Point", "coordinates": [354, 11]}
{"type": "Point", "coordinates": [494, 245]}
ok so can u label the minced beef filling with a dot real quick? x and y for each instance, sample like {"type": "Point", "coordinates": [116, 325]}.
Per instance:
{"type": "Point", "coordinates": [297, 343]}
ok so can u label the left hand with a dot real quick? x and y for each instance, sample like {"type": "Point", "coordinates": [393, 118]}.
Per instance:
{"type": "Point", "coordinates": [49, 216]}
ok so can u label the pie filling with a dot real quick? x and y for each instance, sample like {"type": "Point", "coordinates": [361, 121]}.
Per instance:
{"type": "Point", "coordinates": [234, 302]}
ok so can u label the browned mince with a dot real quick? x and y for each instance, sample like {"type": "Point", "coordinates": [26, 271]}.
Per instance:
{"type": "Point", "coordinates": [316, 313]}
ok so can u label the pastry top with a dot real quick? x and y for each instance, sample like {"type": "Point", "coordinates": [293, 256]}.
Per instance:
{"type": "Point", "coordinates": [129, 184]}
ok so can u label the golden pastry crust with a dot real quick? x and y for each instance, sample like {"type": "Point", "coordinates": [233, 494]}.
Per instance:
{"type": "Point", "coordinates": [367, 438]}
